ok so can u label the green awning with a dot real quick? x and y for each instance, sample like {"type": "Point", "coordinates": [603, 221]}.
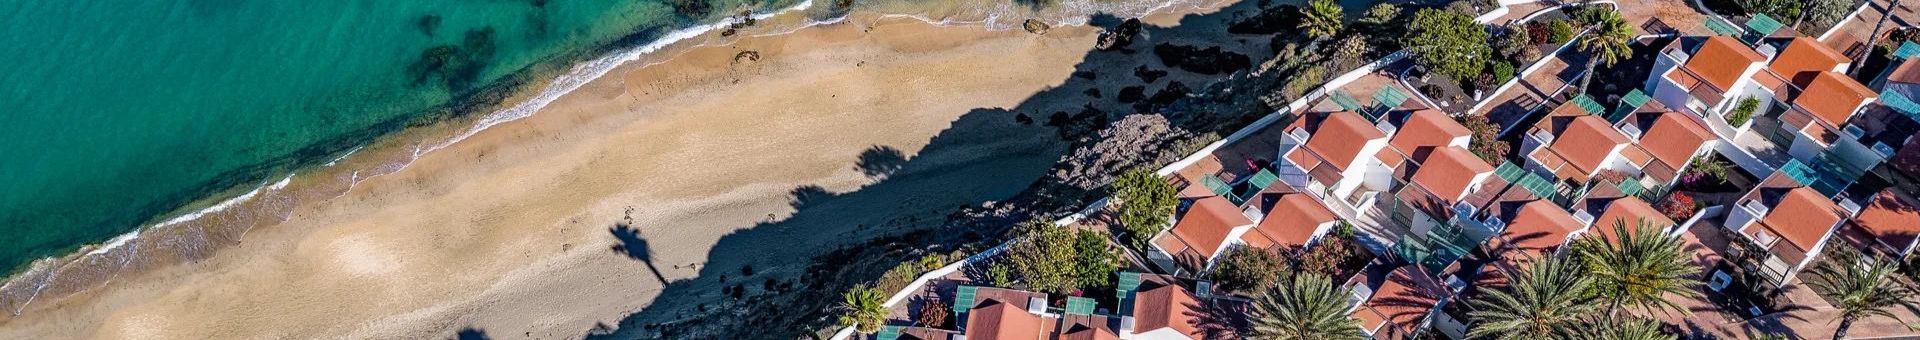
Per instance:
{"type": "Point", "coordinates": [963, 299]}
{"type": "Point", "coordinates": [1263, 179]}
{"type": "Point", "coordinates": [1586, 103]}
{"type": "Point", "coordinates": [1346, 101]}
{"type": "Point", "coordinates": [888, 333]}
{"type": "Point", "coordinates": [1907, 50]}
{"type": "Point", "coordinates": [1763, 25]}
{"type": "Point", "coordinates": [1632, 101]}
{"type": "Point", "coordinates": [1900, 102]}
{"type": "Point", "coordinates": [1216, 185]}
{"type": "Point", "coordinates": [1079, 306]}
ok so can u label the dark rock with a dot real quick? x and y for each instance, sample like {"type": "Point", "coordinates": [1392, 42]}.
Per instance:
{"type": "Point", "coordinates": [1132, 94]}
{"type": "Point", "coordinates": [1284, 18]}
{"type": "Point", "coordinates": [1092, 92]}
{"type": "Point", "coordinates": [1088, 75]}
{"type": "Point", "coordinates": [746, 57]}
{"type": "Point", "coordinates": [1211, 60]}
{"type": "Point", "coordinates": [1022, 118]}
{"type": "Point", "coordinates": [1036, 27]}
{"type": "Point", "coordinates": [1059, 118]}
{"type": "Point", "coordinates": [1120, 36]}
{"type": "Point", "coordinates": [1148, 75]}
{"type": "Point", "coordinates": [1174, 91]}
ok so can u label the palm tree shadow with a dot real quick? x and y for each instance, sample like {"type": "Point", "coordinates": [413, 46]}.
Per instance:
{"type": "Point", "coordinates": [471, 333]}
{"type": "Point", "coordinates": [635, 247]}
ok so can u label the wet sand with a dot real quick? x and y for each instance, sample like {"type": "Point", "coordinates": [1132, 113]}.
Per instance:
{"type": "Point", "coordinates": [521, 230]}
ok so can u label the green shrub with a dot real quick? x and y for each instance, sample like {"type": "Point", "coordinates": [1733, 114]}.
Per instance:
{"type": "Point", "coordinates": [1560, 32]}
{"type": "Point", "coordinates": [1146, 203]}
{"type": "Point", "coordinates": [1742, 112]}
{"type": "Point", "coordinates": [1246, 269]}
{"type": "Point", "coordinates": [1502, 71]}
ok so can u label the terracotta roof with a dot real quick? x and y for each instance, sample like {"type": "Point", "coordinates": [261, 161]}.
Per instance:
{"type": "Point", "coordinates": [1400, 303]}
{"type": "Point", "coordinates": [1535, 228]}
{"type": "Point", "coordinates": [1004, 321]}
{"type": "Point", "coordinates": [1292, 221]}
{"type": "Point", "coordinates": [1629, 211]}
{"type": "Point", "coordinates": [1206, 224]}
{"type": "Point", "coordinates": [1801, 217]}
{"type": "Point", "coordinates": [1721, 60]}
{"type": "Point", "coordinates": [1091, 327]}
{"type": "Point", "coordinates": [1833, 97]}
{"type": "Point", "coordinates": [1673, 137]}
{"type": "Point", "coordinates": [1805, 55]}
{"type": "Point", "coordinates": [1426, 129]}
{"type": "Point", "coordinates": [1892, 218]}
{"type": "Point", "coordinates": [1339, 137]}
{"type": "Point", "coordinates": [1449, 172]}
{"type": "Point", "coordinates": [1169, 306]}
{"type": "Point", "coordinates": [1907, 72]}
{"type": "Point", "coordinates": [1581, 141]}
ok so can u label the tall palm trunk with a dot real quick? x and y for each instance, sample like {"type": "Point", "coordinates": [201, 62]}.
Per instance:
{"type": "Point", "coordinates": [1873, 39]}
{"type": "Point", "coordinates": [1841, 333]}
{"type": "Point", "coordinates": [1588, 78]}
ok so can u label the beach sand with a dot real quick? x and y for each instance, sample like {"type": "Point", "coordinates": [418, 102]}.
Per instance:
{"type": "Point", "coordinates": [520, 231]}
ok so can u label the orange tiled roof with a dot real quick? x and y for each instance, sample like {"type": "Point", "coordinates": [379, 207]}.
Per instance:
{"type": "Point", "coordinates": [1721, 60]}
{"type": "Point", "coordinates": [1169, 306]}
{"type": "Point", "coordinates": [1629, 211]}
{"type": "Point", "coordinates": [1673, 138]}
{"type": "Point", "coordinates": [1449, 171]}
{"type": "Point", "coordinates": [1086, 328]}
{"type": "Point", "coordinates": [1802, 216]}
{"type": "Point", "coordinates": [1893, 219]}
{"type": "Point", "coordinates": [1805, 55]}
{"type": "Point", "coordinates": [1004, 321]}
{"type": "Point", "coordinates": [1292, 220]}
{"type": "Point", "coordinates": [1908, 72]}
{"type": "Point", "coordinates": [1581, 141]}
{"type": "Point", "coordinates": [1537, 226]}
{"type": "Point", "coordinates": [1206, 224]}
{"type": "Point", "coordinates": [1400, 303]}
{"type": "Point", "coordinates": [1425, 129]}
{"type": "Point", "coordinates": [1833, 97]}
{"type": "Point", "coordinates": [1339, 138]}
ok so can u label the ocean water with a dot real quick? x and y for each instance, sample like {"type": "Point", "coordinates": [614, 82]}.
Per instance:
{"type": "Point", "coordinates": [118, 114]}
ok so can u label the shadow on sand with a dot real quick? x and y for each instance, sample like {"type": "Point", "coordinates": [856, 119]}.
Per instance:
{"type": "Point", "coordinates": [985, 172]}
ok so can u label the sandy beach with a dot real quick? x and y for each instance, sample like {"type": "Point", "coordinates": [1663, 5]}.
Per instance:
{"type": "Point", "coordinates": [530, 229]}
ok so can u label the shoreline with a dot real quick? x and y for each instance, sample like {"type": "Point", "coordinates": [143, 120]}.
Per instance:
{"type": "Point", "coordinates": [395, 155]}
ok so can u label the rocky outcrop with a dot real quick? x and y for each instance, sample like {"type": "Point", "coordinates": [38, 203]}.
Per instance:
{"type": "Point", "coordinates": [746, 57]}
{"type": "Point", "coordinates": [1211, 60]}
{"type": "Point", "coordinates": [1036, 27]}
{"type": "Point", "coordinates": [1284, 18]}
{"type": "Point", "coordinates": [1120, 36]}
{"type": "Point", "coordinates": [1134, 140]}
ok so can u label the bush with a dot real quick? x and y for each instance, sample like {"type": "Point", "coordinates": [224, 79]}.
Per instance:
{"type": "Point", "coordinates": [1450, 44]}
{"type": "Point", "coordinates": [1742, 112]}
{"type": "Point", "coordinates": [1146, 203]}
{"type": "Point", "coordinates": [1245, 269]}
{"type": "Point", "coordinates": [1587, 15]}
{"type": "Point", "coordinates": [999, 275]}
{"type": "Point", "coordinates": [1381, 14]}
{"type": "Point", "coordinates": [1560, 32]}
{"type": "Point", "coordinates": [1056, 260]}
{"type": "Point", "coordinates": [934, 314]}
{"type": "Point", "coordinates": [1538, 33]}
{"type": "Point", "coordinates": [1486, 141]}
{"type": "Point", "coordinates": [1303, 81]}
{"type": "Point", "coordinates": [1328, 257]}
{"type": "Point", "coordinates": [1783, 10]}
{"type": "Point", "coordinates": [1678, 206]}
{"type": "Point", "coordinates": [1502, 72]}
{"type": "Point", "coordinates": [1514, 43]}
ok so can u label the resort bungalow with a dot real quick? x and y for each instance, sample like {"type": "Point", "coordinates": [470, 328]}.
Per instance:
{"type": "Point", "coordinates": [1794, 84]}
{"type": "Point", "coordinates": [1277, 219]}
{"type": "Point", "coordinates": [1573, 145]}
{"type": "Point", "coordinates": [1004, 314]}
{"type": "Point", "coordinates": [1329, 155]}
{"type": "Point", "coordinates": [1672, 138]}
{"type": "Point", "coordinates": [1789, 220]}
{"type": "Point", "coordinates": [1167, 312]}
{"type": "Point", "coordinates": [1888, 226]}
{"type": "Point", "coordinates": [1399, 305]}
{"type": "Point", "coordinates": [1533, 229]}
{"type": "Point", "coordinates": [1437, 186]}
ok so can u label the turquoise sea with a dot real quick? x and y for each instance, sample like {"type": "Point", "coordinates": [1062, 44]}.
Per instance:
{"type": "Point", "coordinates": [117, 113]}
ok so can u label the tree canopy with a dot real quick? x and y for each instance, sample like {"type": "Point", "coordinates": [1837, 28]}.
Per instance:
{"type": "Point", "coordinates": [1321, 19]}
{"type": "Point", "coordinates": [1146, 203]}
{"type": "Point", "coordinates": [1057, 260]}
{"type": "Point", "coordinates": [1310, 307]}
{"type": "Point", "coordinates": [1451, 44]}
{"type": "Point", "coordinates": [1243, 269]}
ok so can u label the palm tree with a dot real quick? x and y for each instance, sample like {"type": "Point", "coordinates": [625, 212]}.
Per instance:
{"type": "Point", "coordinates": [1321, 19]}
{"type": "Point", "coordinates": [864, 310]}
{"type": "Point", "coordinates": [1639, 269]}
{"type": "Point", "coordinates": [1860, 290]}
{"type": "Point", "coordinates": [1312, 307]}
{"type": "Point", "coordinates": [1609, 42]}
{"type": "Point", "coordinates": [1630, 329]}
{"type": "Point", "coordinates": [1548, 300]}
